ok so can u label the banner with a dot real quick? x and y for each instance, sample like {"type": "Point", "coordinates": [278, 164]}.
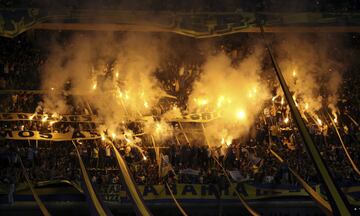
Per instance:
{"type": "Point", "coordinates": [116, 192]}
{"type": "Point", "coordinates": [190, 172]}
{"type": "Point", "coordinates": [38, 135]}
{"type": "Point", "coordinates": [197, 117]}
{"type": "Point", "coordinates": [236, 176]}
{"type": "Point", "coordinates": [193, 117]}
{"type": "Point", "coordinates": [41, 117]}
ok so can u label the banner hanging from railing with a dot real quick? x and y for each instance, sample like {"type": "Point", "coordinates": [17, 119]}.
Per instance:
{"type": "Point", "coordinates": [49, 118]}
{"type": "Point", "coordinates": [38, 135]}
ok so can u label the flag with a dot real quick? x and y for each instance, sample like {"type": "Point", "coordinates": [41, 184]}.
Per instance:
{"type": "Point", "coordinates": [165, 166]}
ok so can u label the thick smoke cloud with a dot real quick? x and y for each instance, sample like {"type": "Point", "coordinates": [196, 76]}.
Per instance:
{"type": "Point", "coordinates": [312, 71]}
{"type": "Point", "coordinates": [116, 76]}
{"type": "Point", "coordinates": [236, 92]}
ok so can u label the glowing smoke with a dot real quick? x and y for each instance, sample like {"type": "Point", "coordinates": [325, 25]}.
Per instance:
{"type": "Point", "coordinates": [115, 76]}
{"type": "Point", "coordinates": [160, 130]}
{"type": "Point", "coordinates": [235, 92]}
{"type": "Point", "coordinates": [311, 72]}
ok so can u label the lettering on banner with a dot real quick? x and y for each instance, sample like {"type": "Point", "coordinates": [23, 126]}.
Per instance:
{"type": "Point", "coordinates": [150, 189]}
{"type": "Point", "coordinates": [188, 189]}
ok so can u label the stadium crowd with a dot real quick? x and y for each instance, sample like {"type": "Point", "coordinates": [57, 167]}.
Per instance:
{"type": "Point", "coordinates": [246, 159]}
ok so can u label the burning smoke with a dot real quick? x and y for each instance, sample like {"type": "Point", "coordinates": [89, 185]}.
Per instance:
{"type": "Point", "coordinates": [311, 72]}
{"type": "Point", "coordinates": [236, 93]}
{"type": "Point", "coordinates": [115, 76]}
{"type": "Point", "coordinates": [159, 130]}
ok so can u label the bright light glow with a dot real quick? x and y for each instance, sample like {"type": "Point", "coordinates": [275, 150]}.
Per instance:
{"type": "Point", "coordinates": [282, 101]}
{"type": "Point", "coordinates": [286, 120]}
{"type": "Point", "coordinates": [252, 92]}
{"type": "Point", "coordinates": [158, 128]}
{"type": "Point", "coordinates": [229, 140]}
{"type": "Point", "coordinates": [294, 73]}
{"type": "Point", "coordinates": [202, 102]}
{"type": "Point", "coordinates": [294, 98]}
{"type": "Point", "coordinates": [220, 101]}
{"type": "Point", "coordinates": [52, 88]}
{"type": "Point", "coordinates": [44, 118]}
{"type": "Point", "coordinates": [52, 122]}
{"type": "Point", "coordinates": [319, 121]}
{"type": "Point", "coordinates": [226, 141]}
{"type": "Point", "coordinates": [240, 115]}
{"type": "Point", "coordinates": [128, 140]}
{"type": "Point", "coordinates": [146, 105]}
{"type": "Point", "coordinates": [94, 86]}
{"type": "Point", "coordinates": [335, 116]}
{"type": "Point", "coordinates": [32, 116]}
{"type": "Point", "coordinates": [103, 137]}
{"type": "Point", "coordinates": [113, 135]}
{"type": "Point", "coordinates": [145, 158]}
{"type": "Point", "coordinates": [120, 93]}
{"type": "Point", "coordinates": [306, 106]}
{"type": "Point", "coordinates": [117, 75]}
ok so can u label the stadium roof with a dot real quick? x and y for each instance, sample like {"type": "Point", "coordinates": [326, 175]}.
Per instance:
{"type": "Point", "coordinates": [194, 24]}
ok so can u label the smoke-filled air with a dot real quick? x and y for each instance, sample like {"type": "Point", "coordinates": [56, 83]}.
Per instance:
{"type": "Point", "coordinates": [312, 75]}
{"type": "Point", "coordinates": [115, 76]}
{"type": "Point", "coordinates": [234, 92]}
